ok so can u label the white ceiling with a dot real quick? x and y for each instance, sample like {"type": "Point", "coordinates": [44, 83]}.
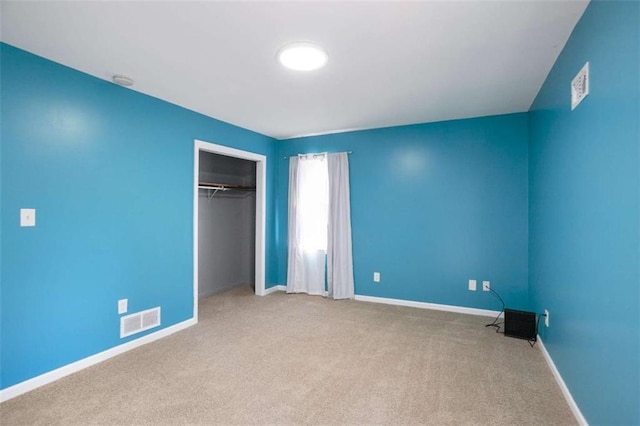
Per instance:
{"type": "Point", "coordinates": [390, 63]}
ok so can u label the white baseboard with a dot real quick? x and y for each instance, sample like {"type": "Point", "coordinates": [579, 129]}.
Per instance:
{"type": "Point", "coordinates": [274, 289]}
{"type": "Point", "coordinates": [563, 386]}
{"type": "Point", "coordinates": [409, 303]}
{"type": "Point", "coordinates": [58, 373]}
{"type": "Point", "coordinates": [425, 305]}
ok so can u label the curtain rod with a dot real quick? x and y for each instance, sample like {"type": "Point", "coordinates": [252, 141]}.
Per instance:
{"type": "Point", "coordinates": [348, 152]}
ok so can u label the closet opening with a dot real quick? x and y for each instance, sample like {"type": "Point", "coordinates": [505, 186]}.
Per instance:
{"type": "Point", "coordinates": [229, 220]}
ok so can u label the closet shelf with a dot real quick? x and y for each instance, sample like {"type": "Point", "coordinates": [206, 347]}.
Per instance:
{"type": "Point", "coordinates": [224, 187]}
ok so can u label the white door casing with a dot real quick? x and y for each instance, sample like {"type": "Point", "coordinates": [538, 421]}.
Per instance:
{"type": "Point", "coordinates": [261, 178]}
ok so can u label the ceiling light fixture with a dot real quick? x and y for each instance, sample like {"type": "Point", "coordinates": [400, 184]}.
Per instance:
{"type": "Point", "coordinates": [122, 80]}
{"type": "Point", "coordinates": [302, 56]}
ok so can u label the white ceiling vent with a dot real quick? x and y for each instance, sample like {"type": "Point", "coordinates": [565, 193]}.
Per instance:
{"type": "Point", "coordinates": [140, 321]}
{"type": "Point", "coordinates": [580, 86]}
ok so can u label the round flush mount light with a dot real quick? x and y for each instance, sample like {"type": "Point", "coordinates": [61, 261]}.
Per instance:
{"type": "Point", "coordinates": [302, 56]}
{"type": "Point", "coordinates": [122, 80]}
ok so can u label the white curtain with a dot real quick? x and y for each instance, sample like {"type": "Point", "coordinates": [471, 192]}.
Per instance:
{"type": "Point", "coordinates": [339, 253]}
{"type": "Point", "coordinates": [308, 211]}
{"type": "Point", "coordinates": [320, 226]}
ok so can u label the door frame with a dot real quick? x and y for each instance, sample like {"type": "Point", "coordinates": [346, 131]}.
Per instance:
{"type": "Point", "coordinates": [261, 182]}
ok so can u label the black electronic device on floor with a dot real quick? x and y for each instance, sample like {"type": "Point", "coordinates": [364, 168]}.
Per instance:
{"type": "Point", "coordinates": [520, 324]}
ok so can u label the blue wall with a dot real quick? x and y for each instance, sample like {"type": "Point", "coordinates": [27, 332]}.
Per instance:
{"type": "Point", "coordinates": [110, 172]}
{"type": "Point", "coordinates": [546, 205]}
{"type": "Point", "coordinates": [584, 214]}
{"type": "Point", "coordinates": [433, 205]}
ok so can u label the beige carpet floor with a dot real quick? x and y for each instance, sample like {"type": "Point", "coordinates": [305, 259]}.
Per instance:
{"type": "Point", "coordinates": [297, 359]}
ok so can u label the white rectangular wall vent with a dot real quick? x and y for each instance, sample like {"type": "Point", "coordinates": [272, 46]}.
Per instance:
{"type": "Point", "coordinates": [580, 86]}
{"type": "Point", "coordinates": [140, 321]}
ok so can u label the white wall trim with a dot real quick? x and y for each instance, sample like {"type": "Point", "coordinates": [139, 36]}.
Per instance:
{"type": "Point", "coordinates": [261, 210]}
{"type": "Point", "coordinates": [410, 303]}
{"type": "Point", "coordinates": [74, 367]}
{"type": "Point", "coordinates": [425, 305]}
{"type": "Point", "coordinates": [563, 386]}
{"type": "Point", "coordinates": [196, 182]}
{"type": "Point", "coordinates": [274, 289]}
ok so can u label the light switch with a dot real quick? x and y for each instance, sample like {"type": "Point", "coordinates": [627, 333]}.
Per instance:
{"type": "Point", "coordinates": [123, 306]}
{"type": "Point", "coordinates": [27, 217]}
{"type": "Point", "coordinates": [376, 277]}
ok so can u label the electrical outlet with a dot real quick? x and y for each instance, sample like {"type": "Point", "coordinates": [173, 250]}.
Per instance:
{"type": "Point", "coordinates": [486, 285]}
{"type": "Point", "coordinates": [376, 277]}
{"type": "Point", "coordinates": [546, 318]}
{"type": "Point", "coordinates": [473, 284]}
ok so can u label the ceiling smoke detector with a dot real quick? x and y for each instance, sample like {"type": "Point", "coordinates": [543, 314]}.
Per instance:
{"type": "Point", "coordinates": [302, 56]}
{"type": "Point", "coordinates": [122, 80]}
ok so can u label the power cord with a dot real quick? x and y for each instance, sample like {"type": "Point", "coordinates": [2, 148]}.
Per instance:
{"type": "Point", "coordinates": [533, 341]}
{"type": "Point", "coordinates": [495, 321]}
{"type": "Point", "coordinates": [496, 324]}
{"type": "Point", "coordinates": [498, 296]}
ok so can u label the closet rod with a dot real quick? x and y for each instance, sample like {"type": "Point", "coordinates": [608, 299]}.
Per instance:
{"type": "Point", "coordinates": [348, 152]}
{"type": "Point", "coordinates": [215, 190]}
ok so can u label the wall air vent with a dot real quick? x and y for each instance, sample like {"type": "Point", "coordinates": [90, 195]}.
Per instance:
{"type": "Point", "coordinates": [580, 86]}
{"type": "Point", "coordinates": [140, 321]}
